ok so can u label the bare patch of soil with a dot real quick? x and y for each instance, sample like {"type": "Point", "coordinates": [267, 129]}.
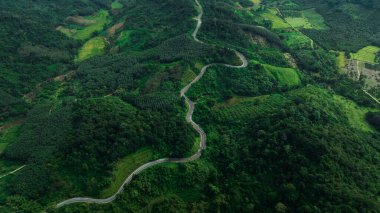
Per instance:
{"type": "Point", "coordinates": [79, 20]}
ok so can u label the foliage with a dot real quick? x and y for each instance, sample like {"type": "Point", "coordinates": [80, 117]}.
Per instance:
{"type": "Point", "coordinates": [93, 47]}
{"type": "Point", "coordinates": [367, 54]}
{"type": "Point", "coordinates": [374, 119]}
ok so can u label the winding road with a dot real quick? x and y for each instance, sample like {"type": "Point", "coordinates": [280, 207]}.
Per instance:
{"type": "Point", "coordinates": [189, 119]}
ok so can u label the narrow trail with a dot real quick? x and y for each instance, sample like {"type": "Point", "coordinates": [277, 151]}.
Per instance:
{"type": "Point", "coordinates": [189, 119]}
{"type": "Point", "coordinates": [371, 96]}
{"type": "Point", "coordinates": [12, 172]}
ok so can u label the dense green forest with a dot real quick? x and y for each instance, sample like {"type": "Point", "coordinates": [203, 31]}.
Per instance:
{"type": "Point", "coordinates": [90, 91]}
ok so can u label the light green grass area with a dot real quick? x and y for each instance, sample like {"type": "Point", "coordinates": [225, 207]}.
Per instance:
{"type": "Point", "coordinates": [341, 61]}
{"type": "Point", "coordinates": [125, 167]}
{"type": "Point", "coordinates": [116, 5]}
{"type": "Point", "coordinates": [67, 31]}
{"type": "Point", "coordinates": [8, 136]}
{"type": "Point", "coordinates": [356, 114]}
{"type": "Point", "coordinates": [299, 22]}
{"type": "Point", "coordinates": [367, 54]}
{"type": "Point", "coordinates": [187, 76]}
{"type": "Point", "coordinates": [124, 38]}
{"type": "Point", "coordinates": [307, 19]}
{"type": "Point", "coordinates": [315, 19]}
{"type": "Point", "coordinates": [91, 48]}
{"type": "Point", "coordinates": [297, 40]}
{"type": "Point", "coordinates": [285, 76]}
{"type": "Point", "coordinates": [277, 22]}
{"type": "Point", "coordinates": [84, 33]}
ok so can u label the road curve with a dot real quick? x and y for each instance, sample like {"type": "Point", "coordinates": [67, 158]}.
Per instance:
{"type": "Point", "coordinates": [189, 119]}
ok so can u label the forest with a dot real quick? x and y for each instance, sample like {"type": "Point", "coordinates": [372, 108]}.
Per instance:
{"type": "Point", "coordinates": [90, 91]}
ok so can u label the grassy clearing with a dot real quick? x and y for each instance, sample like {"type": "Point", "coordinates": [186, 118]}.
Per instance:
{"type": "Point", "coordinates": [84, 33]}
{"type": "Point", "coordinates": [299, 22]}
{"type": "Point", "coordinates": [367, 54]}
{"type": "Point", "coordinates": [187, 76]}
{"type": "Point", "coordinates": [285, 76]}
{"type": "Point", "coordinates": [307, 19]}
{"type": "Point", "coordinates": [315, 19]}
{"type": "Point", "coordinates": [91, 48]}
{"type": "Point", "coordinates": [341, 61]}
{"type": "Point", "coordinates": [355, 113]}
{"type": "Point", "coordinates": [297, 40]}
{"type": "Point", "coordinates": [125, 167]}
{"type": "Point", "coordinates": [277, 22]}
{"type": "Point", "coordinates": [116, 5]}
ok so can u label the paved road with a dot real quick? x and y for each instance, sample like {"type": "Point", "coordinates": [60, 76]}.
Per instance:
{"type": "Point", "coordinates": [189, 119]}
{"type": "Point", "coordinates": [12, 172]}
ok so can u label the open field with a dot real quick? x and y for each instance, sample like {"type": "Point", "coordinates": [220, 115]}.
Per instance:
{"type": "Point", "coordinates": [355, 114]}
{"type": "Point", "coordinates": [187, 76]}
{"type": "Point", "coordinates": [277, 22]}
{"type": "Point", "coordinates": [91, 48]}
{"type": "Point", "coordinates": [297, 40]}
{"type": "Point", "coordinates": [284, 76]}
{"type": "Point", "coordinates": [306, 19]}
{"type": "Point", "coordinates": [315, 19]}
{"type": "Point", "coordinates": [299, 22]}
{"type": "Point", "coordinates": [96, 24]}
{"type": "Point", "coordinates": [125, 167]}
{"type": "Point", "coordinates": [367, 54]}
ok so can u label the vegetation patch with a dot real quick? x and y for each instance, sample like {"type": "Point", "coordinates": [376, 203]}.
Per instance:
{"type": "Point", "coordinates": [95, 23]}
{"type": "Point", "coordinates": [315, 19]}
{"type": "Point", "coordinates": [7, 136]}
{"type": "Point", "coordinates": [356, 115]}
{"type": "Point", "coordinates": [367, 54]}
{"type": "Point", "coordinates": [285, 76]}
{"type": "Point", "coordinates": [299, 22]}
{"type": "Point", "coordinates": [116, 5]}
{"type": "Point", "coordinates": [341, 61]}
{"type": "Point", "coordinates": [297, 40]}
{"type": "Point", "coordinates": [91, 48]}
{"type": "Point", "coordinates": [125, 167]}
{"type": "Point", "coordinates": [124, 38]}
{"type": "Point", "coordinates": [277, 22]}
{"type": "Point", "coordinates": [306, 19]}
